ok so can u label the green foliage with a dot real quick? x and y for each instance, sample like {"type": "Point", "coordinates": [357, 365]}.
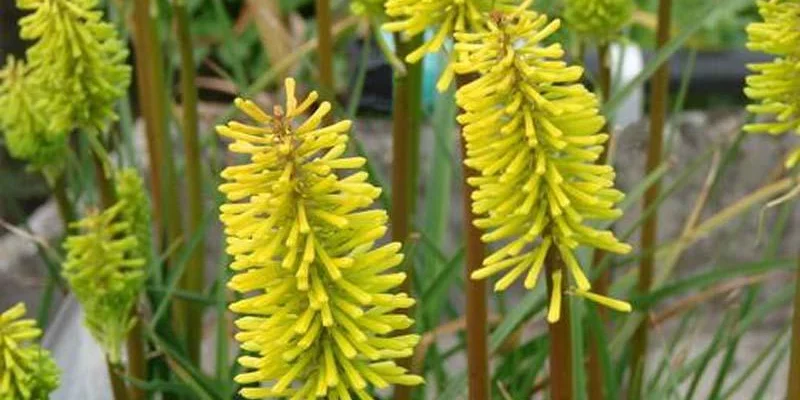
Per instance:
{"type": "Point", "coordinates": [105, 265]}
{"type": "Point", "coordinates": [27, 372]}
{"type": "Point", "coordinates": [79, 61]}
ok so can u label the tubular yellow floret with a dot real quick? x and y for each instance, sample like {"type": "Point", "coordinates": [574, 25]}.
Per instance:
{"type": "Point", "coordinates": [27, 372]}
{"type": "Point", "coordinates": [533, 134]}
{"type": "Point", "coordinates": [775, 85]}
{"type": "Point", "coordinates": [318, 316]}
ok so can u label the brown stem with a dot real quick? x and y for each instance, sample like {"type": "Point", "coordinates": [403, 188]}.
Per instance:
{"type": "Point", "coordinates": [192, 279]}
{"type": "Point", "coordinates": [65, 209]}
{"type": "Point", "coordinates": [658, 115]}
{"type": "Point", "coordinates": [405, 135]}
{"type": "Point", "coordinates": [325, 49]}
{"type": "Point", "coordinates": [477, 326]}
{"type": "Point", "coordinates": [137, 362]}
{"type": "Point", "coordinates": [117, 385]}
{"type": "Point", "coordinates": [600, 286]}
{"type": "Point", "coordinates": [152, 99]}
{"type": "Point", "coordinates": [793, 385]}
{"type": "Point", "coordinates": [560, 337]}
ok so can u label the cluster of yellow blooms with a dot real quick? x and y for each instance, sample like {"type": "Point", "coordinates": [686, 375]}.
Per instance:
{"type": "Point", "coordinates": [106, 260]}
{"type": "Point", "coordinates": [598, 20]}
{"type": "Point", "coordinates": [27, 372]}
{"type": "Point", "coordinates": [776, 85]}
{"type": "Point", "coordinates": [446, 17]}
{"type": "Point", "coordinates": [320, 313]}
{"type": "Point", "coordinates": [532, 131]}
{"type": "Point", "coordinates": [75, 72]}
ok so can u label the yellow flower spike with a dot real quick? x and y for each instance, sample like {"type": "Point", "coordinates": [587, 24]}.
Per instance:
{"type": "Point", "coordinates": [775, 86]}
{"type": "Point", "coordinates": [105, 265]}
{"type": "Point", "coordinates": [27, 372]}
{"type": "Point", "coordinates": [598, 20]}
{"type": "Point", "coordinates": [533, 133]}
{"type": "Point", "coordinates": [318, 312]}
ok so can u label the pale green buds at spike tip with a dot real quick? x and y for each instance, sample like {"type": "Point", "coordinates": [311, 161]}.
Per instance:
{"type": "Point", "coordinates": [27, 136]}
{"type": "Point", "coordinates": [444, 17]}
{"type": "Point", "coordinates": [27, 372]}
{"type": "Point", "coordinates": [368, 8]}
{"type": "Point", "coordinates": [79, 60]}
{"type": "Point", "coordinates": [105, 265]}
{"type": "Point", "coordinates": [598, 20]}
{"type": "Point", "coordinates": [775, 86]}
{"type": "Point", "coordinates": [320, 306]}
{"type": "Point", "coordinates": [533, 133]}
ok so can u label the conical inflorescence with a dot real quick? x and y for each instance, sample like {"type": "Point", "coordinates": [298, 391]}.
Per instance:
{"type": "Point", "coordinates": [533, 134]}
{"type": "Point", "coordinates": [27, 372]}
{"type": "Point", "coordinates": [106, 262]}
{"type": "Point", "coordinates": [79, 60]}
{"type": "Point", "coordinates": [320, 313]}
{"type": "Point", "coordinates": [598, 20]}
{"type": "Point", "coordinates": [775, 85]}
{"type": "Point", "coordinates": [27, 135]}
{"type": "Point", "coordinates": [445, 17]}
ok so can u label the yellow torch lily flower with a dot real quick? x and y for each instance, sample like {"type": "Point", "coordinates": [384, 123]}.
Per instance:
{"type": "Point", "coordinates": [27, 372]}
{"type": "Point", "coordinates": [319, 314]}
{"type": "Point", "coordinates": [533, 133]}
{"type": "Point", "coordinates": [775, 86]}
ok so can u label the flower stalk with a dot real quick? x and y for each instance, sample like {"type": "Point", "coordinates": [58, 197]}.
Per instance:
{"type": "Point", "coordinates": [325, 48]}
{"type": "Point", "coordinates": [192, 280]}
{"type": "Point", "coordinates": [658, 117]}
{"type": "Point", "coordinates": [406, 118]}
{"type": "Point", "coordinates": [152, 94]}
{"type": "Point", "coordinates": [560, 332]}
{"type": "Point", "coordinates": [477, 324]}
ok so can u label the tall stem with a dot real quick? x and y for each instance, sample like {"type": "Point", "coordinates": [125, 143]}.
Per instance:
{"type": "Point", "coordinates": [193, 278]}
{"type": "Point", "coordinates": [658, 116]}
{"type": "Point", "coordinates": [793, 385]}
{"type": "Point", "coordinates": [152, 100]}
{"type": "Point", "coordinates": [117, 384]}
{"type": "Point", "coordinates": [560, 337]}
{"type": "Point", "coordinates": [406, 115]}
{"type": "Point", "coordinates": [137, 367]}
{"type": "Point", "coordinates": [325, 48]}
{"type": "Point", "coordinates": [594, 367]}
{"type": "Point", "coordinates": [477, 326]}
{"type": "Point", "coordinates": [65, 209]}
